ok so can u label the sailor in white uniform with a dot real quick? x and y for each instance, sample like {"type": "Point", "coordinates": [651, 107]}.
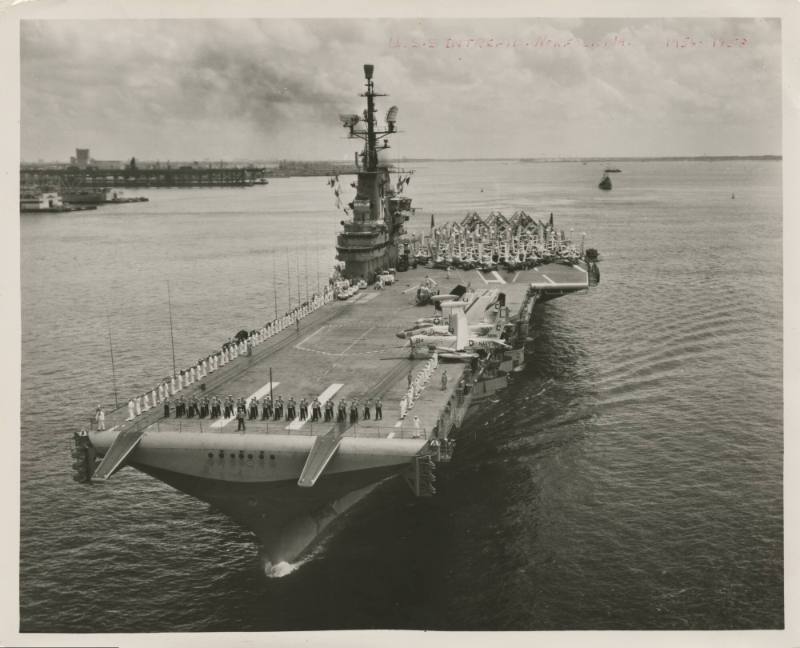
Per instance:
{"type": "Point", "coordinates": [100, 416]}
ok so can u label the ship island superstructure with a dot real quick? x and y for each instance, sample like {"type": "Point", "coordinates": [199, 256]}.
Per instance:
{"type": "Point", "coordinates": [425, 345]}
{"type": "Point", "coordinates": [369, 241]}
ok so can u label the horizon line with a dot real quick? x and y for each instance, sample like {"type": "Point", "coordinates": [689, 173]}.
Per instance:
{"type": "Point", "coordinates": [544, 158]}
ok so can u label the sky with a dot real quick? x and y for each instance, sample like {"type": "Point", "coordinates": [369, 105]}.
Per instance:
{"type": "Point", "coordinates": [267, 89]}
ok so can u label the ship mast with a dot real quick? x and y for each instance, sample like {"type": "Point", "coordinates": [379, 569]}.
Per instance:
{"type": "Point", "coordinates": [371, 150]}
{"type": "Point", "coordinates": [369, 157]}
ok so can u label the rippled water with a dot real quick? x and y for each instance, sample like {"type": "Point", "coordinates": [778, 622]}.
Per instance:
{"type": "Point", "coordinates": [630, 477]}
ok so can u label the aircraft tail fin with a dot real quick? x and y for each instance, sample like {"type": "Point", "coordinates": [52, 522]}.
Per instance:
{"type": "Point", "coordinates": [462, 329]}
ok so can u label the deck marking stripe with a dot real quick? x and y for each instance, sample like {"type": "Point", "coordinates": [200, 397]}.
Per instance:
{"type": "Point", "coordinates": [324, 396]}
{"type": "Point", "coordinates": [360, 338]}
{"type": "Point", "coordinates": [499, 278]}
{"type": "Point", "coordinates": [577, 267]}
{"type": "Point", "coordinates": [480, 274]}
{"type": "Point", "coordinates": [514, 280]}
{"type": "Point", "coordinates": [548, 278]}
{"type": "Point", "coordinates": [260, 393]}
{"type": "Point", "coordinates": [300, 344]}
{"type": "Point", "coordinates": [408, 290]}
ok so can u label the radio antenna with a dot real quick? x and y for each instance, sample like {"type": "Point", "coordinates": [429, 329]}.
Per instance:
{"type": "Point", "coordinates": [113, 368]}
{"type": "Point", "coordinates": [171, 336]}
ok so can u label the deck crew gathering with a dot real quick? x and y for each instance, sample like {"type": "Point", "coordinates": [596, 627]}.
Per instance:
{"type": "Point", "coordinates": [229, 351]}
{"type": "Point", "coordinates": [271, 409]}
{"type": "Point", "coordinates": [211, 406]}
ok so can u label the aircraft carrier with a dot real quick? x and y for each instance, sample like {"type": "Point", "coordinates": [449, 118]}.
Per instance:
{"type": "Point", "coordinates": [393, 341]}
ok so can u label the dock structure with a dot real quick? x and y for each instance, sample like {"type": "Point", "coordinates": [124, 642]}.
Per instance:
{"type": "Point", "coordinates": [184, 176]}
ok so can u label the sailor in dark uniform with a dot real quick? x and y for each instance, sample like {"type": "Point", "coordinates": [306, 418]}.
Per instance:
{"type": "Point", "coordinates": [328, 410]}
{"type": "Point", "coordinates": [290, 409]}
{"type": "Point", "coordinates": [378, 410]}
{"type": "Point", "coordinates": [354, 411]}
{"type": "Point", "coordinates": [253, 408]}
{"type": "Point", "coordinates": [264, 408]}
{"type": "Point", "coordinates": [316, 412]}
{"type": "Point", "coordinates": [303, 409]}
{"type": "Point", "coordinates": [240, 418]}
{"type": "Point", "coordinates": [366, 409]}
{"type": "Point", "coordinates": [179, 407]}
{"type": "Point", "coordinates": [269, 406]}
{"type": "Point", "coordinates": [166, 408]}
{"type": "Point", "coordinates": [279, 408]}
{"type": "Point", "coordinates": [342, 412]}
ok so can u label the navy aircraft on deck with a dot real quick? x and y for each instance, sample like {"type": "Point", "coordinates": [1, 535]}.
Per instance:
{"type": "Point", "coordinates": [462, 344]}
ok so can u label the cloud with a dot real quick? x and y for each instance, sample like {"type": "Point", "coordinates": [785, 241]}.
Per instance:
{"type": "Point", "coordinates": [191, 89]}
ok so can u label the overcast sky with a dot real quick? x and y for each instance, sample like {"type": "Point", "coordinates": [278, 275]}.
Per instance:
{"type": "Point", "coordinates": [270, 89]}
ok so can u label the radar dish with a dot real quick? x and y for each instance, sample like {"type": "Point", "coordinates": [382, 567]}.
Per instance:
{"type": "Point", "coordinates": [391, 119]}
{"type": "Point", "coordinates": [349, 121]}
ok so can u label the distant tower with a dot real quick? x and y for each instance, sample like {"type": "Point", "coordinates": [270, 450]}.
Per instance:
{"type": "Point", "coordinates": [82, 158]}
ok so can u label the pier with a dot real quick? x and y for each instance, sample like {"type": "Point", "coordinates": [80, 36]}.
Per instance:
{"type": "Point", "coordinates": [133, 176]}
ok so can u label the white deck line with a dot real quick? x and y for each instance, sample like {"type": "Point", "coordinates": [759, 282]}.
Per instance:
{"type": "Point", "coordinates": [300, 344]}
{"type": "Point", "coordinates": [499, 278]}
{"type": "Point", "coordinates": [480, 274]}
{"type": "Point", "coordinates": [548, 278]}
{"type": "Point", "coordinates": [577, 267]}
{"type": "Point", "coordinates": [259, 393]}
{"type": "Point", "coordinates": [360, 338]}
{"type": "Point", "coordinates": [408, 290]}
{"type": "Point", "coordinates": [329, 391]}
{"type": "Point", "coordinates": [514, 280]}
